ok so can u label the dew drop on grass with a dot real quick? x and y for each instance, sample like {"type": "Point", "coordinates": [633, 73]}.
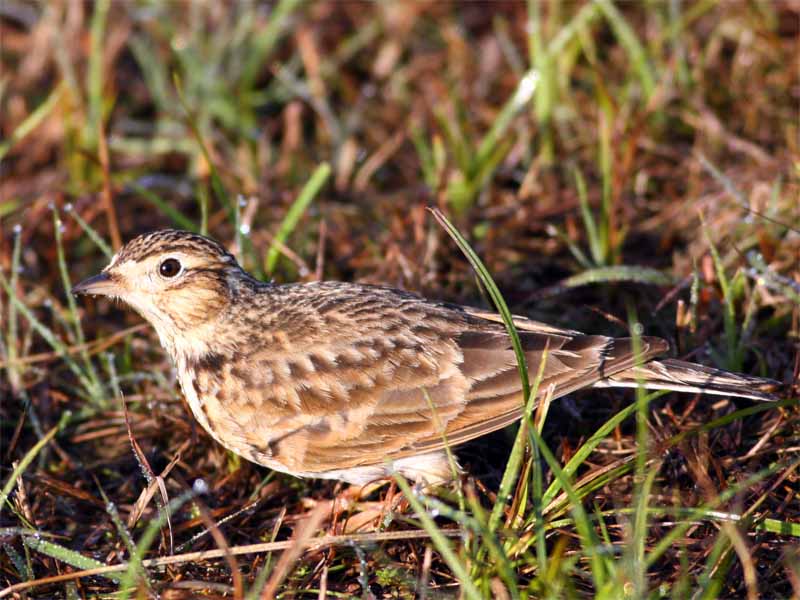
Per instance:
{"type": "Point", "coordinates": [362, 579]}
{"type": "Point", "coordinates": [244, 229]}
{"type": "Point", "coordinates": [638, 329]}
{"type": "Point", "coordinates": [242, 201]}
{"type": "Point", "coordinates": [17, 229]}
{"type": "Point", "coordinates": [200, 487]}
{"type": "Point", "coordinates": [388, 518]}
{"type": "Point", "coordinates": [68, 207]}
{"type": "Point", "coordinates": [526, 87]}
{"type": "Point", "coordinates": [417, 490]}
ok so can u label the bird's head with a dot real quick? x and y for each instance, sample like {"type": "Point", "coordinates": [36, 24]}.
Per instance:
{"type": "Point", "coordinates": [177, 280]}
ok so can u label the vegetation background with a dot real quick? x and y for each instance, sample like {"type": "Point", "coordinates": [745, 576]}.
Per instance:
{"type": "Point", "coordinates": [610, 162]}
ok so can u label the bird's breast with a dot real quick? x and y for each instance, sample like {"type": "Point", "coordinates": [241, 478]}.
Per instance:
{"type": "Point", "coordinates": [199, 401]}
{"type": "Point", "coordinates": [228, 414]}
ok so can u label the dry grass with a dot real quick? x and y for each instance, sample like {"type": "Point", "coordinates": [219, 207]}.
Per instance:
{"type": "Point", "coordinates": [652, 171]}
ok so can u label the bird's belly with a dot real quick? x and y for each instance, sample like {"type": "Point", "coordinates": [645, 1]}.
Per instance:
{"type": "Point", "coordinates": [241, 438]}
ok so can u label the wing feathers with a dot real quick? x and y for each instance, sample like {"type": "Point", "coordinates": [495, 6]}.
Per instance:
{"type": "Point", "coordinates": [573, 363]}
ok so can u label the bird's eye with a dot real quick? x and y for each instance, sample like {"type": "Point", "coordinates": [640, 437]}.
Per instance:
{"type": "Point", "coordinates": [169, 268]}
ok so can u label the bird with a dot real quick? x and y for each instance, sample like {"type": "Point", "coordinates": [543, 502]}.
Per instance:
{"type": "Point", "coordinates": [358, 382]}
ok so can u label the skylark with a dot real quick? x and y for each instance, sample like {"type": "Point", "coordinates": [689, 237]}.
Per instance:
{"type": "Point", "coordinates": [337, 380]}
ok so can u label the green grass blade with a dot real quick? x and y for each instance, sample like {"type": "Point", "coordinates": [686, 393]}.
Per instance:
{"type": "Point", "coordinates": [585, 487]}
{"type": "Point", "coordinates": [568, 32]}
{"type": "Point", "coordinates": [522, 95]}
{"type": "Point", "coordinates": [457, 141]}
{"type": "Point", "coordinates": [588, 219]}
{"type": "Point", "coordinates": [440, 541]}
{"type": "Point", "coordinates": [176, 216]}
{"type": "Point", "coordinates": [636, 52]}
{"type": "Point", "coordinates": [573, 248]}
{"type": "Point", "coordinates": [128, 580]}
{"type": "Point", "coordinates": [632, 273]}
{"type": "Point", "coordinates": [216, 181]}
{"type": "Point", "coordinates": [27, 459]}
{"type": "Point", "coordinates": [501, 559]}
{"type": "Point", "coordinates": [154, 71]}
{"type": "Point", "coordinates": [299, 206]}
{"type": "Point", "coordinates": [9, 206]}
{"type": "Point", "coordinates": [512, 467]}
{"type": "Point", "coordinates": [606, 159]}
{"type": "Point", "coordinates": [90, 231]}
{"type": "Point", "coordinates": [582, 453]}
{"type": "Point", "coordinates": [712, 578]}
{"type": "Point", "coordinates": [643, 478]}
{"type": "Point", "coordinates": [494, 293]}
{"type": "Point", "coordinates": [477, 524]}
{"type": "Point", "coordinates": [94, 82]}
{"type": "Point", "coordinates": [451, 459]}
{"type": "Point", "coordinates": [425, 157]}
{"type": "Point", "coordinates": [509, 477]}
{"type": "Point", "coordinates": [582, 520]}
{"type": "Point", "coordinates": [266, 40]}
{"type": "Point", "coordinates": [778, 526]}
{"type": "Point", "coordinates": [32, 121]}
{"type": "Point", "coordinates": [95, 389]}
{"type": "Point", "coordinates": [71, 557]}
{"type": "Point", "coordinates": [122, 529]}
{"type": "Point", "coordinates": [12, 336]}
{"type": "Point", "coordinates": [547, 93]}
{"type": "Point", "coordinates": [734, 349]}
{"type": "Point", "coordinates": [24, 570]}
{"type": "Point", "coordinates": [54, 342]}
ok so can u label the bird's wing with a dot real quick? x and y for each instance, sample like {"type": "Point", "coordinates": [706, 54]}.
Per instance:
{"type": "Point", "coordinates": [571, 362]}
{"type": "Point", "coordinates": [394, 373]}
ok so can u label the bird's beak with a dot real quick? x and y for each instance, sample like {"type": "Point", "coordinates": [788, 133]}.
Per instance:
{"type": "Point", "coordinates": [99, 285]}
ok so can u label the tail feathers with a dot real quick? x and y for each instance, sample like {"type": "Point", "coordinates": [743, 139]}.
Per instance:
{"type": "Point", "coordinates": [681, 376]}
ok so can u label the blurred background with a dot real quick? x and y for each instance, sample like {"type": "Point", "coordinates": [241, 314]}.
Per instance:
{"type": "Point", "coordinates": [607, 160]}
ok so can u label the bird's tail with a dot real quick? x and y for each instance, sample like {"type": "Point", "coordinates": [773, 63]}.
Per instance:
{"type": "Point", "coordinates": [681, 376]}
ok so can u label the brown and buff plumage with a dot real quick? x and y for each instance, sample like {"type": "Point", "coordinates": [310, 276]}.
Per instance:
{"type": "Point", "coordinates": [337, 380]}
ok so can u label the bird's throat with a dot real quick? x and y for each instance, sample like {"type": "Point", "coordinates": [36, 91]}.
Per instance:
{"type": "Point", "coordinates": [194, 345]}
